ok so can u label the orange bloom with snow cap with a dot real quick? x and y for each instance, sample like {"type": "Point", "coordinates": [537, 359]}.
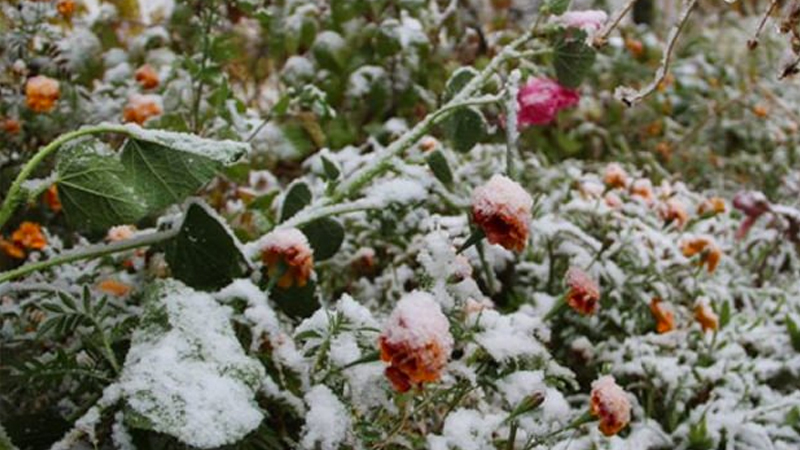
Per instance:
{"type": "Point", "coordinates": [713, 205]}
{"type": "Point", "coordinates": [147, 77]}
{"type": "Point", "coordinates": [615, 176]}
{"type": "Point", "coordinates": [709, 253]}
{"type": "Point", "coordinates": [140, 108]}
{"type": "Point", "coordinates": [66, 8]}
{"type": "Point", "coordinates": [674, 211]}
{"type": "Point", "coordinates": [610, 405]}
{"type": "Point", "coordinates": [706, 316]}
{"type": "Point", "coordinates": [502, 209]}
{"type": "Point", "coordinates": [643, 189]}
{"type": "Point", "coordinates": [665, 320]}
{"type": "Point", "coordinates": [41, 93]}
{"type": "Point", "coordinates": [416, 342]}
{"type": "Point", "coordinates": [583, 293]}
{"type": "Point", "coordinates": [286, 253]}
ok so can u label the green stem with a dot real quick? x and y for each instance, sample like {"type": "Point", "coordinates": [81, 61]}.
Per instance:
{"type": "Point", "coordinates": [512, 436]}
{"type": "Point", "coordinates": [16, 192]}
{"type": "Point", "coordinates": [583, 419]}
{"type": "Point", "coordinates": [488, 271]}
{"type": "Point", "coordinates": [92, 251]}
{"type": "Point", "coordinates": [559, 307]}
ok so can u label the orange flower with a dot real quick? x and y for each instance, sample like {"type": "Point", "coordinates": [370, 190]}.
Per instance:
{"type": "Point", "coordinates": [710, 254]}
{"type": "Point", "coordinates": [610, 405]}
{"type": "Point", "coordinates": [416, 342]}
{"type": "Point", "coordinates": [583, 293]}
{"type": "Point", "coordinates": [51, 199]}
{"type": "Point", "coordinates": [760, 111]}
{"type": "Point", "coordinates": [615, 176]}
{"type": "Point", "coordinates": [11, 249]}
{"type": "Point", "coordinates": [114, 287]}
{"type": "Point", "coordinates": [502, 209]}
{"type": "Point", "coordinates": [713, 205]}
{"type": "Point", "coordinates": [10, 126]}
{"type": "Point", "coordinates": [41, 93]}
{"type": "Point", "coordinates": [29, 235]}
{"type": "Point", "coordinates": [635, 47]}
{"type": "Point", "coordinates": [674, 211]}
{"type": "Point", "coordinates": [287, 251]}
{"type": "Point", "coordinates": [643, 189]}
{"type": "Point", "coordinates": [706, 316]}
{"type": "Point", "coordinates": [140, 108]}
{"type": "Point", "coordinates": [147, 77]}
{"type": "Point", "coordinates": [665, 320]}
{"type": "Point", "coordinates": [66, 8]}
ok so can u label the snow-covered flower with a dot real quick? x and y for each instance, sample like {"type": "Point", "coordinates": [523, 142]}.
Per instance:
{"type": "Point", "coordinates": [502, 209]}
{"type": "Point", "coordinates": [615, 176]}
{"type": "Point", "coordinates": [753, 204]}
{"type": "Point", "coordinates": [705, 315]}
{"type": "Point", "coordinates": [10, 126]}
{"type": "Point", "coordinates": [287, 251]}
{"type": "Point", "coordinates": [41, 93]}
{"type": "Point", "coordinates": [540, 100]}
{"type": "Point", "coordinates": [709, 253]}
{"type": "Point", "coordinates": [589, 20]}
{"type": "Point", "coordinates": [146, 76]}
{"type": "Point", "coordinates": [416, 341]}
{"type": "Point", "coordinates": [610, 405]}
{"type": "Point", "coordinates": [140, 108]}
{"type": "Point", "coordinates": [583, 293]}
{"type": "Point", "coordinates": [120, 233]}
{"type": "Point", "coordinates": [711, 205]}
{"type": "Point", "coordinates": [673, 211]}
{"type": "Point", "coordinates": [665, 320]}
{"type": "Point", "coordinates": [643, 188]}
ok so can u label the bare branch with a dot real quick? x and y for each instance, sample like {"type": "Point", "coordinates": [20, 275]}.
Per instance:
{"type": "Point", "coordinates": [753, 43]}
{"type": "Point", "coordinates": [602, 37]}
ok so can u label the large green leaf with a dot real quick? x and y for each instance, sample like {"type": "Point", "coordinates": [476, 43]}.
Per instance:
{"type": "Point", "coordinates": [573, 58]}
{"type": "Point", "coordinates": [95, 189]}
{"type": "Point", "coordinates": [204, 254]}
{"type": "Point", "coordinates": [325, 236]}
{"type": "Point", "coordinates": [460, 78]}
{"type": "Point", "coordinates": [296, 301]}
{"type": "Point", "coordinates": [163, 176]}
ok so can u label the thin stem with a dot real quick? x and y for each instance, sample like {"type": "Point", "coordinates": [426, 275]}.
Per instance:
{"type": "Point", "coordinates": [16, 192]}
{"type": "Point", "coordinates": [92, 251]}
{"type": "Point", "coordinates": [488, 271]}
{"type": "Point", "coordinates": [601, 39]}
{"type": "Point", "coordinates": [753, 43]}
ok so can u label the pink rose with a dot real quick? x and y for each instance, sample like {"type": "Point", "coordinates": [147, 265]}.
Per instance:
{"type": "Point", "coordinates": [541, 99]}
{"type": "Point", "coordinates": [588, 21]}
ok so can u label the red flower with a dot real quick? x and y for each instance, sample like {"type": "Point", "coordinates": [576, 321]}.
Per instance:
{"type": "Point", "coordinates": [288, 248]}
{"type": "Point", "coordinates": [502, 209]}
{"type": "Point", "coordinates": [540, 100]}
{"type": "Point", "coordinates": [583, 294]}
{"type": "Point", "coordinates": [610, 405]}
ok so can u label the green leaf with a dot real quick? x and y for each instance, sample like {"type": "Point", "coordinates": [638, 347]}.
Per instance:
{"type": "Point", "coordinates": [557, 7]}
{"type": "Point", "coordinates": [794, 332]}
{"type": "Point", "coordinates": [162, 176]}
{"type": "Point", "coordinates": [465, 128]}
{"type": "Point", "coordinates": [297, 302]}
{"type": "Point", "coordinates": [204, 254]}
{"type": "Point", "coordinates": [325, 236]}
{"type": "Point", "coordinates": [95, 190]}
{"type": "Point", "coordinates": [457, 81]}
{"type": "Point", "coordinates": [440, 168]}
{"type": "Point", "coordinates": [223, 151]}
{"type": "Point", "coordinates": [725, 314]}
{"type": "Point", "coordinates": [698, 436]}
{"type": "Point", "coordinates": [331, 169]}
{"type": "Point", "coordinates": [573, 58]}
{"type": "Point", "coordinates": [297, 198]}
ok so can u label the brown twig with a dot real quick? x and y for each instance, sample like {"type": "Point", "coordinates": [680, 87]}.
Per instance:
{"type": "Point", "coordinates": [632, 96]}
{"type": "Point", "coordinates": [753, 43]}
{"type": "Point", "coordinates": [602, 37]}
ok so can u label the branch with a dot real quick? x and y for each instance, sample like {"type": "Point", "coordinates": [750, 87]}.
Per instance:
{"type": "Point", "coordinates": [753, 43]}
{"type": "Point", "coordinates": [602, 37]}
{"type": "Point", "coordinates": [631, 96]}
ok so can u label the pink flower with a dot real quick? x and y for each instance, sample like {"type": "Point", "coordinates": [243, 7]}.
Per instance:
{"type": "Point", "coordinates": [591, 20]}
{"type": "Point", "coordinates": [541, 99]}
{"type": "Point", "coordinates": [753, 204]}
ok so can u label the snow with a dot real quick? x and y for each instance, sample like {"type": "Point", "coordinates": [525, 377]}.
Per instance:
{"type": "Point", "coordinates": [501, 191]}
{"type": "Point", "coordinates": [188, 376]}
{"type": "Point", "coordinates": [223, 151]}
{"type": "Point", "coordinates": [418, 320]}
{"type": "Point", "coordinates": [327, 421]}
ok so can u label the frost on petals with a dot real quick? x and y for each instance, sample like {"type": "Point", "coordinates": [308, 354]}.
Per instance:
{"type": "Point", "coordinates": [665, 319]}
{"type": "Point", "coordinates": [706, 316]}
{"type": "Point", "coordinates": [286, 253]}
{"type": "Point", "coordinates": [610, 405]}
{"type": "Point", "coordinates": [140, 108]}
{"type": "Point", "coordinates": [589, 21]}
{"type": "Point", "coordinates": [540, 100]}
{"type": "Point", "coordinates": [502, 209]}
{"type": "Point", "coordinates": [583, 293]}
{"type": "Point", "coordinates": [41, 93]}
{"type": "Point", "coordinates": [615, 176]}
{"type": "Point", "coordinates": [709, 253]}
{"type": "Point", "coordinates": [416, 342]}
{"type": "Point", "coordinates": [147, 77]}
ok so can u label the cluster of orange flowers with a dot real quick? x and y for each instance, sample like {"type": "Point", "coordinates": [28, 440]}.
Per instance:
{"type": "Point", "coordinates": [28, 236]}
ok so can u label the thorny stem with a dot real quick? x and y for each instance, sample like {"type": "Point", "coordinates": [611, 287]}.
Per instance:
{"type": "Point", "coordinates": [16, 192]}
{"type": "Point", "coordinates": [92, 251]}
